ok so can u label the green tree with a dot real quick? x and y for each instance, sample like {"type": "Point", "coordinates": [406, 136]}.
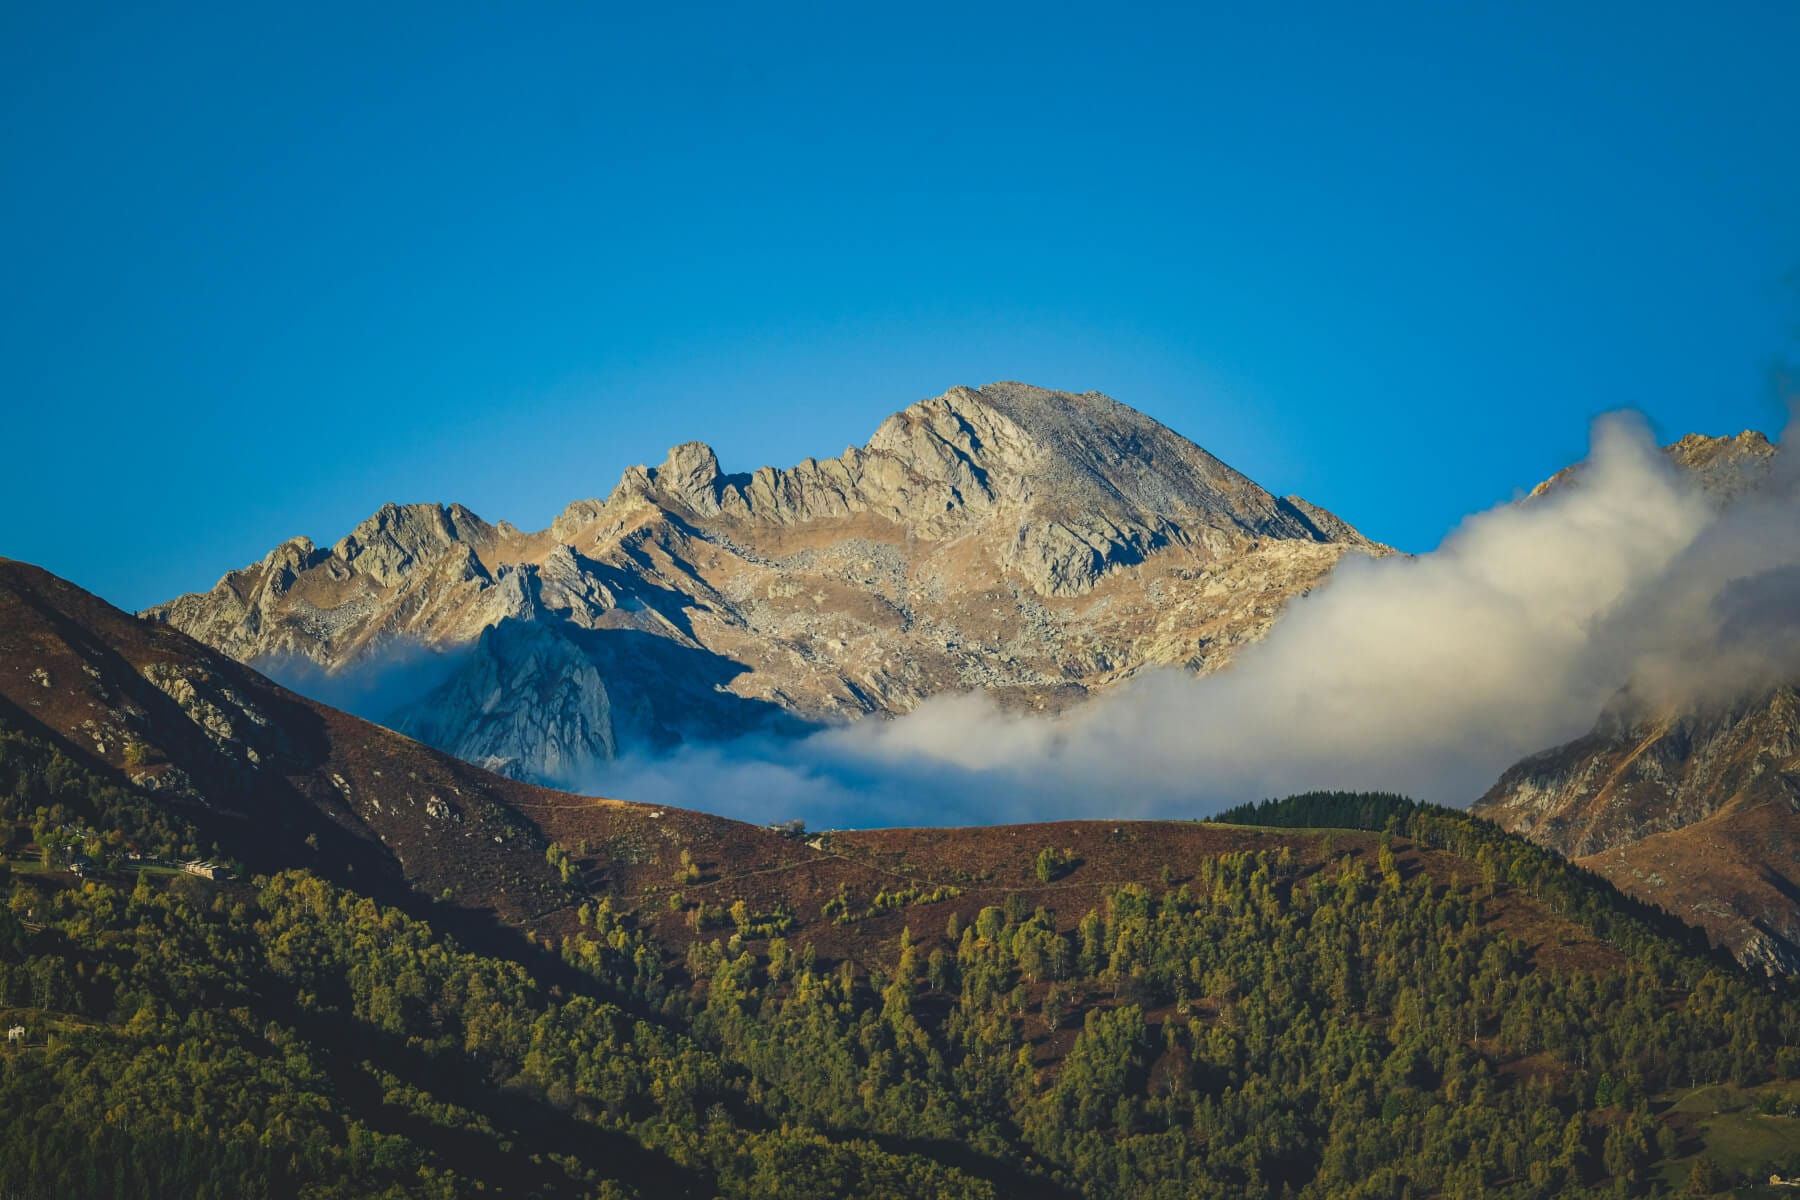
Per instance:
{"type": "Point", "coordinates": [1704, 1177]}
{"type": "Point", "coordinates": [1055, 1008]}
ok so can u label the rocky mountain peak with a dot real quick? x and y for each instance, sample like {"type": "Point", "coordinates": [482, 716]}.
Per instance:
{"type": "Point", "coordinates": [690, 477]}
{"type": "Point", "coordinates": [1069, 486]}
{"type": "Point", "coordinates": [398, 536]}
{"type": "Point", "coordinates": [1014, 445]}
{"type": "Point", "coordinates": [1724, 467]}
{"type": "Point", "coordinates": [1035, 543]}
{"type": "Point", "coordinates": [283, 565]}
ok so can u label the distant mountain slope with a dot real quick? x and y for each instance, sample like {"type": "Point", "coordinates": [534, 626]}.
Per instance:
{"type": "Point", "coordinates": [1696, 809]}
{"type": "Point", "coordinates": [1736, 874]}
{"type": "Point", "coordinates": [276, 779]}
{"type": "Point", "coordinates": [1724, 467]}
{"type": "Point", "coordinates": [1640, 772]}
{"type": "Point", "coordinates": [1036, 544]}
{"type": "Point", "coordinates": [1693, 805]}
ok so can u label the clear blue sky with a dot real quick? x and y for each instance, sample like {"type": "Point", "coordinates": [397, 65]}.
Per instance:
{"type": "Point", "coordinates": [263, 268]}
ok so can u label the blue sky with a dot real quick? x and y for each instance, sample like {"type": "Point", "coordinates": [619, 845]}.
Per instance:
{"type": "Point", "coordinates": [262, 271]}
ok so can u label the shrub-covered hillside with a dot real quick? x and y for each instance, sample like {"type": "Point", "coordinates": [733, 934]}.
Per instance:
{"type": "Point", "coordinates": [1339, 1014]}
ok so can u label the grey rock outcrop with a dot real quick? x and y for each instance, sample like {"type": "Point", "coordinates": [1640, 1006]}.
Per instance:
{"type": "Point", "coordinates": [525, 702]}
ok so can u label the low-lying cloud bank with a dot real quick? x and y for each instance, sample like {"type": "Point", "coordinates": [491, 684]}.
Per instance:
{"type": "Point", "coordinates": [381, 688]}
{"type": "Point", "coordinates": [1427, 675]}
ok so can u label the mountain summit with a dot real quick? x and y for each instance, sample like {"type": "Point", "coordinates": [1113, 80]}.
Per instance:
{"type": "Point", "coordinates": [1037, 544]}
{"type": "Point", "coordinates": [1083, 482]}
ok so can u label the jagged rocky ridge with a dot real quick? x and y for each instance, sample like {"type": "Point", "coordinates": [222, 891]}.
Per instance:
{"type": "Point", "coordinates": [1725, 468]}
{"type": "Point", "coordinates": [1036, 544]}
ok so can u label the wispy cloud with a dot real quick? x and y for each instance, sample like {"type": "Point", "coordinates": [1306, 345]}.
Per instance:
{"type": "Point", "coordinates": [382, 687]}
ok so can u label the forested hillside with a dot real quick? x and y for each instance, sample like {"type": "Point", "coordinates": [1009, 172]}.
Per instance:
{"type": "Point", "coordinates": [1333, 1014]}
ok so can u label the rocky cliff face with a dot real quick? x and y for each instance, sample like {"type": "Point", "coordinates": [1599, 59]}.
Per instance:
{"type": "Point", "coordinates": [1696, 809]}
{"type": "Point", "coordinates": [526, 694]}
{"type": "Point", "coordinates": [1036, 544]}
{"type": "Point", "coordinates": [1639, 773]}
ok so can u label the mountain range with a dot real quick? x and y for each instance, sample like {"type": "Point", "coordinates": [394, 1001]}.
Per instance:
{"type": "Point", "coordinates": [1042, 547]}
{"type": "Point", "coordinates": [402, 974]}
{"type": "Point", "coordinates": [1039, 546]}
{"type": "Point", "coordinates": [439, 981]}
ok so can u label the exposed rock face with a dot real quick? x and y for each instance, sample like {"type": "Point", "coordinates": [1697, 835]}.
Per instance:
{"type": "Point", "coordinates": [1639, 773]}
{"type": "Point", "coordinates": [1037, 544]}
{"type": "Point", "coordinates": [527, 695]}
{"type": "Point", "coordinates": [1696, 809]}
{"type": "Point", "coordinates": [1726, 467]}
{"type": "Point", "coordinates": [233, 723]}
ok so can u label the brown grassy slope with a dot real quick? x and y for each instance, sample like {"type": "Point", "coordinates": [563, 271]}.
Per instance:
{"type": "Point", "coordinates": [1735, 874]}
{"type": "Point", "coordinates": [636, 860]}
{"type": "Point", "coordinates": [260, 769]}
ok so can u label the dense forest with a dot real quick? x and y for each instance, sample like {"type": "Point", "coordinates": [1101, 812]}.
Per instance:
{"type": "Point", "coordinates": [1267, 1024]}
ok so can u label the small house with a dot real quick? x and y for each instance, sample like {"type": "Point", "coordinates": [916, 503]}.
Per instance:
{"type": "Point", "coordinates": [16, 1034]}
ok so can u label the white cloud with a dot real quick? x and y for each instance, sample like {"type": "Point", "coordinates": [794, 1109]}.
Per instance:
{"type": "Point", "coordinates": [1427, 675]}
